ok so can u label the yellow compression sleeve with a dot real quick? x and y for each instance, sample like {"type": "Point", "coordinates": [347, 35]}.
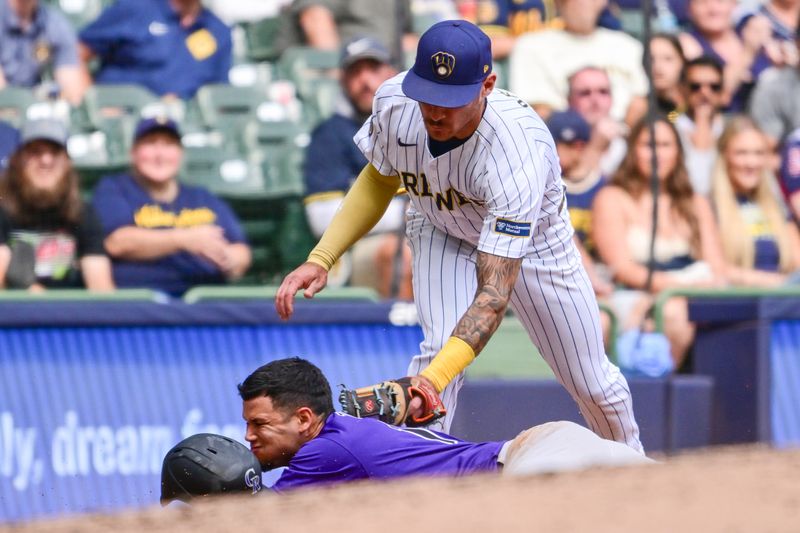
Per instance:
{"type": "Point", "coordinates": [452, 359]}
{"type": "Point", "coordinates": [361, 209]}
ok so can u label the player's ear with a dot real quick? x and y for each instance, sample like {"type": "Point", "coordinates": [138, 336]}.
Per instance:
{"type": "Point", "coordinates": [489, 82]}
{"type": "Point", "coordinates": [305, 417]}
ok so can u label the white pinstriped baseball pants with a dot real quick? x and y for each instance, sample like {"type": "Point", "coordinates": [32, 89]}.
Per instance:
{"type": "Point", "coordinates": [558, 308]}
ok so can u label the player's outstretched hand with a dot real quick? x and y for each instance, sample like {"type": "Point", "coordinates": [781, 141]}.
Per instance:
{"type": "Point", "coordinates": [426, 407]}
{"type": "Point", "coordinates": [308, 276]}
{"type": "Point", "coordinates": [412, 401]}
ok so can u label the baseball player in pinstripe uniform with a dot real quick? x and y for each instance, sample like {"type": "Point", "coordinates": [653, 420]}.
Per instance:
{"type": "Point", "coordinates": [487, 224]}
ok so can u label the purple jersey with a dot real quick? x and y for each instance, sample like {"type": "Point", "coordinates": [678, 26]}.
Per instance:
{"type": "Point", "coordinates": [350, 448]}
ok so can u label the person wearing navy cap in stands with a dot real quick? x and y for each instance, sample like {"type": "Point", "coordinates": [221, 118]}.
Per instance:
{"type": "Point", "coordinates": [571, 134]}
{"type": "Point", "coordinates": [160, 233]}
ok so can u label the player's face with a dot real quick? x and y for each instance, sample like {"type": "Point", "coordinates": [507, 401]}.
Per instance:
{"type": "Point", "coordinates": [274, 435]}
{"type": "Point", "coordinates": [445, 123]}
{"type": "Point", "coordinates": [667, 151]}
{"type": "Point", "coordinates": [157, 157]}
{"type": "Point", "coordinates": [590, 95]}
{"type": "Point", "coordinates": [746, 158]}
{"type": "Point", "coordinates": [362, 80]}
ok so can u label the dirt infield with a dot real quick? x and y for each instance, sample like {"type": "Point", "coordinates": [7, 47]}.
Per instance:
{"type": "Point", "coordinates": [727, 490]}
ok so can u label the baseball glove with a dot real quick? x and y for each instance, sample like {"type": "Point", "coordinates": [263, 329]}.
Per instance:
{"type": "Point", "coordinates": [390, 401]}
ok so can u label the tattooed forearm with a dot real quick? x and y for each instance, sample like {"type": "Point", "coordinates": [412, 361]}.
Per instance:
{"type": "Point", "coordinates": [496, 277]}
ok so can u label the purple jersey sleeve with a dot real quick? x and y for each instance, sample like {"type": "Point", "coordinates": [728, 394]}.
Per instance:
{"type": "Point", "coordinates": [348, 449]}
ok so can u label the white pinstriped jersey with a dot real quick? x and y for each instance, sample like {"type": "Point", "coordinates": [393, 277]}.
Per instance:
{"type": "Point", "coordinates": [495, 191]}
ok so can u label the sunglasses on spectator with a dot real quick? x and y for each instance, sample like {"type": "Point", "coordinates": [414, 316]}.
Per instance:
{"type": "Point", "coordinates": [695, 86]}
{"type": "Point", "coordinates": [583, 93]}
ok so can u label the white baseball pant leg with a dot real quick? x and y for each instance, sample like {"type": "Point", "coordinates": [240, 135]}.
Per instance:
{"type": "Point", "coordinates": [562, 447]}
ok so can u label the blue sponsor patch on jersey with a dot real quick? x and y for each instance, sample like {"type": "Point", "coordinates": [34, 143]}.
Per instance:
{"type": "Point", "coordinates": [513, 228]}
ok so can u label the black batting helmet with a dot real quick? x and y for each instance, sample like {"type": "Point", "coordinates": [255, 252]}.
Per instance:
{"type": "Point", "coordinates": [206, 464]}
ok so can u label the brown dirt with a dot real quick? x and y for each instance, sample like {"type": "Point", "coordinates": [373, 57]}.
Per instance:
{"type": "Point", "coordinates": [745, 490]}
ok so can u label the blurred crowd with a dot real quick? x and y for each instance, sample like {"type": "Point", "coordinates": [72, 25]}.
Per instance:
{"type": "Point", "coordinates": [725, 80]}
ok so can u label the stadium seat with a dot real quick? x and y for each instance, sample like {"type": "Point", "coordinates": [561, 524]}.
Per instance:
{"type": "Point", "coordinates": [241, 293]}
{"type": "Point", "coordinates": [223, 171]}
{"type": "Point", "coordinates": [280, 149]}
{"type": "Point", "coordinates": [219, 103]}
{"type": "Point", "coordinates": [315, 74]}
{"type": "Point", "coordinates": [14, 103]}
{"type": "Point", "coordinates": [228, 109]}
{"type": "Point", "coordinates": [295, 236]}
{"type": "Point", "coordinates": [258, 75]}
{"type": "Point", "coordinates": [100, 153]}
{"type": "Point", "coordinates": [109, 102]}
{"type": "Point", "coordinates": [260, 39]}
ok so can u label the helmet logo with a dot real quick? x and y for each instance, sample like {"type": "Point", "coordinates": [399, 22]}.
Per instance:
{"type": "Point", "coordinates": [443, 64]}
{"type": "Point", "coordinates": [252, 479]}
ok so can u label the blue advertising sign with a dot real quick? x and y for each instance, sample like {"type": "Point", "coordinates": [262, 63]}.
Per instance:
{"type": "Point", "coordinates": [87, 413]}
{"type": "Point", "coordinates": [785, 382]}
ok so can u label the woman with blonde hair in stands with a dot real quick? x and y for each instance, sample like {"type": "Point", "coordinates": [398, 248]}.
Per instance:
{"type": "Point", "coordinates": [761, 246]}
{"type": "Point", "coordinates": [687, 251]}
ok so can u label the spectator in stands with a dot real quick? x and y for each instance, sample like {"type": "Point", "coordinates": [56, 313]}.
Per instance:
{"type": "Point", "coordinates": [48, 237]}
{"type": "Point", "coordinates": [701, 125]}
{"type": "Point", "coordinates": [172, 47]}
{"type": "Point", "coordinates": [780, 18]}
{"type": "Point", "coordinates": [37, 42]}
{"type": "Point", "coordinates": [541, 62]}
{"type": "Point", "coordinates": [162, 234]}
{"type": "Point", "coordinates": [326, 24]}
{"type": "Point", "coordinates": [333, 161]}
{"type": "Point", "coordinates": [9, 140]}
{"type": "Point", "coordinates": [712, 33]}
{"type": "Point", "coordinates": [505, 20]}
{"type": "Point", "coordinates": [582, 180]}
{"type": "Point", "coordinates": [775, 111]}
{"type": "Point", "coordinates": [761, 247]}
{"type": "Point", "coordinates": [668, 63]}
{"type": "Point", "coordinates": [590, 95]}
{"type": "Point", "coordinates": [571, 134]}
{"type": "Point", "coordinates": [790, 172]}
{"type": "Point", "coordinates": [687, 248]}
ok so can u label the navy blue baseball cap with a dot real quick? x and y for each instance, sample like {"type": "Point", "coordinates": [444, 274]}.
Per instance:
{"type": "Point", "coordinates": [160, 123]}
{"type": "Point", "coordinates": [569, 127]}
{"type": "Point", "coordinates": [453, 59]}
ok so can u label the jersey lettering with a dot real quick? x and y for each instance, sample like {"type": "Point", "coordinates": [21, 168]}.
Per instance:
{"type": "Point", "coordinates": [447, 199]}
